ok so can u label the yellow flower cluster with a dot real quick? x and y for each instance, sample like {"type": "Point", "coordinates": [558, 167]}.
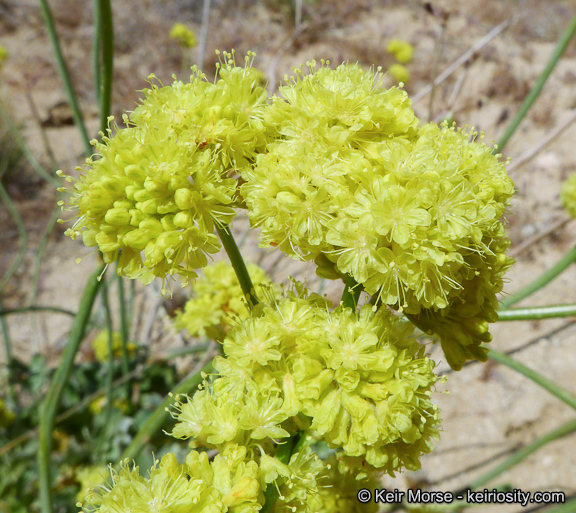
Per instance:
{"type": "Point", "coordinates": [356, 380]}
{"type": "Point", "coordinates": [568, 195]}
{"type": "Point", "coordinates": [411, 213]}
{"type": "Point", "coordinates": [100, 346]}
{"type": "Point", "coordinates": [218, 299]}
{"type": "Point", "coordinates": [158, 188]}
{"type": "Point", "coordinates": [184, 35]}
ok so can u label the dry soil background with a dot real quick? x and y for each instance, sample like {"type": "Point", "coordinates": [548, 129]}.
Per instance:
{"type": "Point", "coordinates": [490, 410]}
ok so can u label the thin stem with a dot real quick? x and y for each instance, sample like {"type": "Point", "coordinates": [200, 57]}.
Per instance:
{"type": "Point", "coordinates": [103, 436]}
{"type": "Point", "coordinates": [203, 33]}
{"type": "Point", "coordinates": [537, 312]}
{"type": "Point", "coordinates": [36, 308]}
{"type": "Point", "coordinates": [124, 329]}
{"type": "Point", "coordinates": [96, 51]}
{"type": "Point", "coordinates": [523, 453]}
{"type": "Point", "coordinates": [26, 150]}
{"type": "Point", "coordinates": [161, 414]}
{"type": "Point", "coordinates": [238, 264]}
{"type": "Point", "coordinates": [65, 75]}
{"type": "Point", "coordinates": [51, 403]}
{"type": "Point", "coordinates": [107, 43]}
{"type": "Point", "coordinates": [544, 382]}
{"type": "Point", "coordinates": [542, 280]}
{"type": "Point", "coordinates": [283, 454]}
{"type": "Point", "coordinates": [351, 293]}
{"type": "Point", "coordinates": [537, 88]}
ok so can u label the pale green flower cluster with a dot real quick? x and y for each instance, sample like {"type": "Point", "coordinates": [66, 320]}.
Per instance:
{"type": "Point", "coordinates": [568, 195]}
{"type": "Point", "coordinates": [184, 35]}
{"type": "Point", "coordinates": [413, 214]}
{"type": "Point", "coordinates": [356, 380]}
{"type": "Point", "coordinates": [218, 298]}
{"type": "Point", "coordinates": [158, 188]}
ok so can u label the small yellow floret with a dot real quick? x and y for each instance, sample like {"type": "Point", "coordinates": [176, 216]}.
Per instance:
{"type": "Point", "coordinates": [401, 50]}
{"type": "Point", "coordinates": [183, 35]}
{"type": "Point", "coordinates": [400, 73]}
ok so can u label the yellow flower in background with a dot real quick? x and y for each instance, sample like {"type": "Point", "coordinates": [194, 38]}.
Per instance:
{"type": "Point", "coordinates": [100, 346]}
{"type": "Point", "coordinates": [183, 35]}
{"type": "Point", "coordinates": [3, 56]}
{"type": "Point", "coordinates": [6, 416]}
{"type": "Point", "coordinates": [89, 477]}
{"type": "Point", "coordinates": [568, 195]}
{"type": "Point", "coordinates": [400, 73]}
{"type": "Point", "coordinates": [401, 50]}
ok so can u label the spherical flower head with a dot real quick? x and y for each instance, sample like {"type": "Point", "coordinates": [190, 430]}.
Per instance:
{"type": "Point", "coordinates": [100, 346]}
{"type": "Point", "coordinates": [399, 73]}
{"type": "Point", "coordinates": [158, 188]}
{"type": "Point", "coordinates": [568, 195]}
{"type": "Point", "coordinates": [356, 380]}
{"type": "Point", "coordinates": [324, 130]}
{"type": "Point", "coordinates": [401, 50]}
{"type": "Point", "coordinates": [184, 35]}
{"type": "Point", "coordinates": [218, 297]}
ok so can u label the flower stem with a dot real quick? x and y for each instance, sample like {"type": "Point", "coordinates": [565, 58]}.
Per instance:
{"type": "Point", "coordinates": [542, 280]}
{"type": "Point", "coordinates": [65, 75]}
{"type": "Point", "coordinates": [544, 382]}
{"type": "Point", "coordinates": [351, 293]}
{"type": "Point", "coordinates": [537, 312]}
{"type": "Point", "coordinates": [188, 385]}
{"type": "Point", "coordinates": [104, 81]}
{"type": "Point", "coordinates": [225, 234]}
{"type": "Point", "coordinates": [50, 405]}
{"type": "Point", "coordinates": [283, 454]}
{"type": "Point", "coordinates": [537, 88]}
{"type": "Point", "coordinates": [520, 455]}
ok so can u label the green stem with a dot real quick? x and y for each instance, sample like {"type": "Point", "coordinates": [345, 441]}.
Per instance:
{"type": "Point", "coordinates": [51, 403]}
{"type": "Point", "coordinates": [65, 75]}
{"type": "Point", "coordinates": [26, 150]}
{"type": "Point", "coordinates": [537, 312]}
{"type": "Point", "coordinates": [542, 280]}
{"type": "Point", "coordinates": [225, 234]}
{"type": "Point", "coordinates": [351, 293]}
{"type": "Point", "coordinates": [36, 308]}
{"type": "Point", "coordinates": [107, 42]}
{"type": "Point", "coordinates": [537, 88]}
{"type": "Point", "coordinates": [155, 422]}
{"type": "Point", "coordinates": [568, 507]}
{"type": "Point", "coordinates": [523, 453]}
{"type": "Point", "coordinates": [96, 51]}
{"type": "Point", "coordinates": [283, 454]}
{"type": "Point", "coordinates": [544, 382]}
{"type": "Point", "coordinates": [103, 436]}
{"type": "Point", "coordinates": [124, 329]}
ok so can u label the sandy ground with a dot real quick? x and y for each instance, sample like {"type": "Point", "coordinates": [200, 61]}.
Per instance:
{"type": "Point", "coordinates": [490, 410]}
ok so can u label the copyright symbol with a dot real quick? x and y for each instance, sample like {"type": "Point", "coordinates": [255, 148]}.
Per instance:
{"type": "Point", "coordinates": [364, 495]}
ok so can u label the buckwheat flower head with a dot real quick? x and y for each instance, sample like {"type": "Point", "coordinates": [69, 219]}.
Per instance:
{"type": "Point", "coordinates": [100, 346]}
{"type": "Point", "coordinates": [411, 214]}
{"type": "Point", "coordinates": [356, 380]}
{"type": "Point", "coordinates": [184, 35]}
{"type": "Point", "coordinates": [90, 477]}
{"type": "Point", "coordinates": [401, 50]}
{"type": "Point", "coordinates": [217, 297]}
{"type": "Point", "coordinates": [155, 192]}
{"type": "Point", "coordinates": [568, 195]}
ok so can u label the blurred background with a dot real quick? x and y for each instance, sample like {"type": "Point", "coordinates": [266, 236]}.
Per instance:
{"type": "Point", "coordinates": [487, 53]}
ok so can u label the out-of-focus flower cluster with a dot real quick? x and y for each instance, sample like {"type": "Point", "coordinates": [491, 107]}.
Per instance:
{"type": "Point", "coordinates": [411, 213]}
{"type": "Point", "coordinates": [568, 195]}
{"type": "Point", "coordinates": [101, 346]}
{"type": "Point", "coordinates": [402, 52]}
{"type": "Point", "coordinates": [153, 196]}
{"type": "Point", "coordinates": [218, 299]}
{"type": "Point", "coordinates": [184, 35]}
